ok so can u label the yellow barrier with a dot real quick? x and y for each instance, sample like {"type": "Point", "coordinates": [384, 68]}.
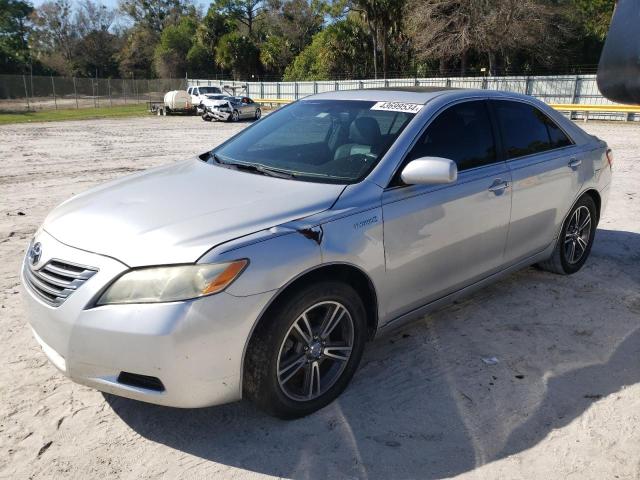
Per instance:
{"type": "Point", "coordinates": [578, 107]}
{"type": "Point", "coordinates": [277, 101]}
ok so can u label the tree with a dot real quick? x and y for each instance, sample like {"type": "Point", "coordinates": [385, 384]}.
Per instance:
{"type": "Point", "coordinates": [155, 15]}
{"type": "Point", "coordinates": [238, 53]}
{"type": "Point", "coordinates": [338, 51]}
{"type": "Point", "coordinates": [213, 26]}
{"type": "Point", "coordinates": [170, 57]}
{"type": "Point", "coordinates": [296, 21]}
{"type": "Point", "coordinates": [14, 35]}
{"type": "Point", "coordinates": [275, 54]}
{"type": "Point", "coordinates": [594, 16]}
{"type": "Point", "coordinates": [245, 12]}
{"type": "Point", "coordinates": [451, 30]}
{"type": "Point", "coordinates": [54, 35]}
{"type": "Point", "coordinates": [137, 53]}
{"type": "Point", "coordinates": [383, 19]}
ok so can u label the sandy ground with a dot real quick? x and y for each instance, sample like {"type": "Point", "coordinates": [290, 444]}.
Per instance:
{"type": "Point", "coordinates": [563, 401]}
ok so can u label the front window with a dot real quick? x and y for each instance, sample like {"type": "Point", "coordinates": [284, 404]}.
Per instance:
{"type": "Point", "coordinates": [206, 90]}
{"type": "Point", "coordinates": [318, 140]}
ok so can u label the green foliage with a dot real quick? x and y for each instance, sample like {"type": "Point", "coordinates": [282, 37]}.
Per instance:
{"type": "Point", "coordinates": [175, 43]}
{"type": "Point", "coordinates": [155, 15]}
{"type": "Point", "coordinates": [594, 16]}
{"type": "Point", "coordinates": [275, 53]}
{"type": "Point", "coordinates": [137, 53]}
{"type": "Point", "coordinates": [14, 35]}
{"type": "Point", "coordinates": [239, 54]}
{"type": "Point", "coordinates": [339, 51]}
{"type": "Point", "coordinates": [299, 39]}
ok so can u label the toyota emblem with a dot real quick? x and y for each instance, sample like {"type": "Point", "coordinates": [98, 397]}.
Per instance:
{"type": "Point", "coordinates": [35, 253]}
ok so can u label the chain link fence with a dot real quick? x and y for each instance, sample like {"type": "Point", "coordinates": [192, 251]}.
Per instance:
{"type": "Point", "coordinates": [25, 92]}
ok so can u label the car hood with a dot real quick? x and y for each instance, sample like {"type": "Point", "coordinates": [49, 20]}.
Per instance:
{"type": "Point", "coordinates": [214, 103]}
{"type": "Point", "coordinates": [175, 213]}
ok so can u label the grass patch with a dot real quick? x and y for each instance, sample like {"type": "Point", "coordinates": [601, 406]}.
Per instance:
{"type": "Point", "coordinates": [73, 114]}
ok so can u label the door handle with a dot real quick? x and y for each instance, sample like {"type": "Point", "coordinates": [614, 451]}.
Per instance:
{"type": "Point", "coordinates": [575, 162]}
{"type": "Point", "coordinates": [498, 186]}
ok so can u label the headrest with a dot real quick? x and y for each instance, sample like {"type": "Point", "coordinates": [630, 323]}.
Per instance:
{"type": "Point", "coordinates": [364, 130]}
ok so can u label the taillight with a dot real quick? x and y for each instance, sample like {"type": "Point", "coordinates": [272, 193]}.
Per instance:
{"type": "Point", "coordinates": [610, 158]}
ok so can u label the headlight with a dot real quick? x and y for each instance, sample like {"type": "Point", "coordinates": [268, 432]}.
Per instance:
{"type": "Point", "coordinates": [169, 284]}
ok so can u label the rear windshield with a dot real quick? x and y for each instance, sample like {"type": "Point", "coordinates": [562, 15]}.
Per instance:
{"type": "Point", "coordinates": [333, 141]}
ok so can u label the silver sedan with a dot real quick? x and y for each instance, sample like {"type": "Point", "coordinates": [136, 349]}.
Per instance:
{"type": "Point", "coordinates": [261, 269]}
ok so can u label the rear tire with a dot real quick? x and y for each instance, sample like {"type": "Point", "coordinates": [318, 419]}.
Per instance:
{"type": "Point", "coordinates": [258, 113]}
{"type": "Point", "coordinates": [575, 240]}
{"type": "Point", "coordinates": [281, 366]}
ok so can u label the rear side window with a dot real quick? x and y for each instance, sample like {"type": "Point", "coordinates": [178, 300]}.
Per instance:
{"type": "Point", "coordinates": [461, 133]}
{"type": "Point", "coordinates": [526, 130]}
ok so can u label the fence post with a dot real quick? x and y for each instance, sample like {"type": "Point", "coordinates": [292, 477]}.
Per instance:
{"type": "Point", "coordinates": [26, 92]}
{"type": "Point", "coordinates": [124, 91]}
{"type": "Point", "coordinates": [527, 86]}
{"type": "Point", "coordinates": [336, 87]}
{"type": "Point", "coordinates": [295, 90]}
{"type": "Point", "coordinates": [53, 88]}
{"type": "Point", "coordinates": [315, 87]}
{"type": "Point", "coordinates": [576, 89]}
{"type": "Point", "coordinates": [149, 92]}
{"type": "Point", "coordinates": [109, 88]}
{"type": "Point", "coordinates": [75, 92]}
{"type": "Point", "coordinates": [277, 89]}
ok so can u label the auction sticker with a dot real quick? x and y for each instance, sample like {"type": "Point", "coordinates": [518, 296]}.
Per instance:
{"type": "Point", "coordinates": [398, 107]}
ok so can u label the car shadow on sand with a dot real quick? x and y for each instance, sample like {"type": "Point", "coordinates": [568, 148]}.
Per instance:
{"type": "Point", "coordinates": [480, 380]}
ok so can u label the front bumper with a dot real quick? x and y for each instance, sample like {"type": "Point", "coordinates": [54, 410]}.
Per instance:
{"type": "Point", "coordinates": [194, 347]}
{"type": "Point", "coordinates": [218, 115]}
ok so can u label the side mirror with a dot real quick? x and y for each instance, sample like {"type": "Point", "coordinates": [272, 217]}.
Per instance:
{"type": "Point", "coordinates": [429, 170]}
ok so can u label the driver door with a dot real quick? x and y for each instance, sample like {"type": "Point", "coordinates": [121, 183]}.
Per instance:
{"type": "Point", "coordinates": [441, 238]}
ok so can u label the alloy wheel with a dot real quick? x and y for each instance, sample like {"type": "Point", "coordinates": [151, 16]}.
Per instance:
{"type": "Point", "coordinates": [315, 351]}
{"type": "Point", "coordinates": [577, 236]}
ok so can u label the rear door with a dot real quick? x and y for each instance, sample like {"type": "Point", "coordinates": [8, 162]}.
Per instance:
{"type": "Point", "coordinates": [440, 238]}
{"type": "Point", "coordinates": [547, 174]}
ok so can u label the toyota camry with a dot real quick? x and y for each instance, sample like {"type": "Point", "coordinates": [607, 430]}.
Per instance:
{"type": "Point", "coordinates": [261, 268]}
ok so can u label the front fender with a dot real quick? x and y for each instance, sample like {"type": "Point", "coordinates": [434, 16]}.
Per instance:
{"type": "Point", "coordinates": [274, 257]}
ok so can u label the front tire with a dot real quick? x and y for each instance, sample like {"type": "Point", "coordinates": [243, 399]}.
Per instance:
{"type": "Point", "coordinates": [305, 350]}
{"type": "Point", "coordinates": [576, 238]}
{"type": "Point", "coordinates": [235, 116]}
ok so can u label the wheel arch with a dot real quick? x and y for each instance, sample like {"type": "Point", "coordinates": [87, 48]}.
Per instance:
{"type": "Point", "coordinates": [345, 272]}
{"type": "Point", "coordinates": [597, 199]}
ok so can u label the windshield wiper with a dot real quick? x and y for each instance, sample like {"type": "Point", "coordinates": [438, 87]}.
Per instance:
{"type": "Point", "coordinates": [254, 167]}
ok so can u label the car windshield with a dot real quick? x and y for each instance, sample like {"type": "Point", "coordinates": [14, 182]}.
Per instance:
{"type": "Point", "coordinates": [318, 140]}
{"type": "Point", "coordinates": [205, 90]}
{"type": "Point", "coordinates": [215, 97]}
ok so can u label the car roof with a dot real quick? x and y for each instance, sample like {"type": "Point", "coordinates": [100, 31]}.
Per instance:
{"type": "Point", "coordinates": [407, 94]}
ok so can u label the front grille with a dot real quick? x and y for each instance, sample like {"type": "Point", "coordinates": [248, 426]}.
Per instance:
{"type": "Point", "coordinates": [56, 280]}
